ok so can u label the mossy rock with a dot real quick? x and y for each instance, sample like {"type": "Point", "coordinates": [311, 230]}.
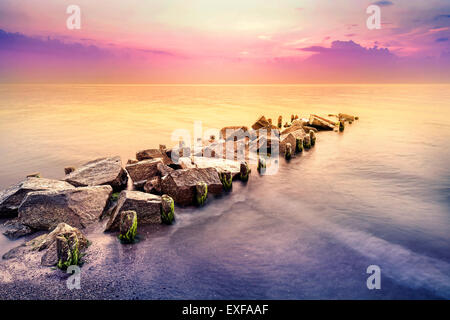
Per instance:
{"type": "Point", "coordinates": [67, 247]}
{"type": "Point", "coordinates": [227, 180]}
{"type": "Point", "coordinates": [201, 193]}
{"type": "Point", "coordinates": [244, 171]}
{"type": "Point", "coordinates": [115, 196]}
{"type": "Point", "coordinates": [298, 145]}
{"type": "Point", "coordinates": [128, 226]}
{"type": "Point", "coordinates": [307, 142]}
{"type": "Point", "coordinates": [312, 137]}
{"type": "Point", "coordinates": [167, 209]}
{"type": "Point", "coordinates": [288, 152]}
{"type": "Point", "coordinates": [261, 165]}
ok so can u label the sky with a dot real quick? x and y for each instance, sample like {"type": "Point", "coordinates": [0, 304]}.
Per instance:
{"type": "Point", "coordinates": [225, 41]}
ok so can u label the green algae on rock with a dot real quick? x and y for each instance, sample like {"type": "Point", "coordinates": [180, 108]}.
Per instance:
{"type": "Point", "coordinates": [128, 226]}
{"type": "Point", "coordinates": [201, 193]}
{"type": "Point", "coordinates": [167, 209]}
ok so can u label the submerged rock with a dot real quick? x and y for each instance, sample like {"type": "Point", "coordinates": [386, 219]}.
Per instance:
{"type": "Point", "coordinates": [11, 198]}
{"type": "Point", "coordinates": [146, 205]}
{"type": "Point", "coordinates": [144, 170]}
{"type": "Point", "coordinates": [15, 230]}
{"type": "Point", "coordinates": [104, 171]}
{"type": "Point", "coordinates": [128, 226]}
{"type": "Point", "coordinates": [167, 209]}
{"type": "Point", "coordinates": [201, 193]}
{"type": "Point", "coordinates": [181, 184]}
{"type": "Point", "coordinates": [226, 179]}
{"type": "Point", "coordinates": [69, 170]}
{"type": "Point", "coordinates": [288, 151]}
{"type": "Point", "coordinates": [346, 117]}
{"type": "Point", "coordinates": [244, 171]}
{"type": "Point", "coordinates": [44, 210]}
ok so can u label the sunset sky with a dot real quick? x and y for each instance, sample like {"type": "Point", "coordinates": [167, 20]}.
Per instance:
{"type": "Point", "coordinates": [232, 41]}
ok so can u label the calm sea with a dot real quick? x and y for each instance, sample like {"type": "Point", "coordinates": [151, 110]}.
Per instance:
{"type": "Point", "coordinates": [378, 194]}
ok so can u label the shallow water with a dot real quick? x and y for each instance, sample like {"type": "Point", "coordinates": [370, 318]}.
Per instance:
{"type": "Point", "coordinates": [376, 194]}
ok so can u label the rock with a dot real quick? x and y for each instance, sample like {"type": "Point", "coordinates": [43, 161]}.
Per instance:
{"type": "Point", "coordinates": [47, 240]}
{"type": "Point", "coordinates": [285, 140]}
{"type": "Point", "coordinates": [226, 179]}
{"type": "Point", "coordinates": [47, 244]}
{"type": "Point", "coordinates": [67, 248]}
{"type": "Point", "coordinates": [346, 117]}
{"type": "Point", "coordinates": [265, 145]}
{"type": "Point", "coordinates": [234, 133]}
{"type": "Point", "coordinates": [306, 142]}
{"type": "Point", "coordinates": [128, 226]}
{"type": "Point", "coordinates": [293, 128]}
{"type": "Point", "coordinates": [201, 193]}
{"type": "Point", "coordinates": [34, 175]}
{"type": "Point", "coordinates": [288, 151]}
{"type": "Point", "coordinates": [186, 163]}
{"type": "Point", "coordinates": [139, 185]}
{"type": "Point", "coordinates": [312, 137]}
{"type": "Point", "coordinates": [308, 129]}
{"type": "Point", "coordinates": [244, 171]}
{"type": "Point", "coordinates": [180, 184]}
{"type": "Point", "coordinates": [221, 165]}
{"type": "Point", "coordinates": [261, 123]}
{"type": "Point", "coordinates": [298, 144]}
{"type": "Point", "coordinates": [167, 209]}
{"type": "Point", "coordinates": [321, 123]}
{"type": "Point", "coordinates": [11, 198]}
{"type": "Point", "coordinates": [341, 126]}
{"type": "Point", "coordinates": [143, 170]}
{"type": "Point", "coordinates": [261, 165]}
{"type": "Point", "coordinates": [104, 171]}
{"type": "Point", "coordinates": [15, 230]}
{"type": "Point", "coordinates": [163, 169]}
{"type": "Point", "coordinates": [147, 207]}
{"type": "Point", "coordinates": [132, 161]}
{"type": "Point", "coordinates": [153, 185]}
{"type": "Point", "coordinates": [150, 154]}
{"type": "Point", "coordinates": [44, 210]}
{"type": "Point", "coordinates": [69, 170]}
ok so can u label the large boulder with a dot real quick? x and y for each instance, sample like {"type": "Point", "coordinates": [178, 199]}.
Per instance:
{"type": "Point", "coordinates": [144, 170]}
{"type": "Point", "coordinates": [147, 207]}
{"type": "Point", "coordinates": [44, 210]}
{"type": "Point", "coordinates": [11, 198]}
{"type": "Point", "coordinates": [104, 171]}
{"type": "Point", "coordinates": [181, 184]}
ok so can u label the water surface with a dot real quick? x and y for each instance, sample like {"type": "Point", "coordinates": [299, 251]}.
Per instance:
{"type": "Point", "coordinates": [376, 194]}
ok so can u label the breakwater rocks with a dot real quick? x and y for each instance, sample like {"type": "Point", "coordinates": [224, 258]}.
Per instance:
{"type": "Point", "coordinates": [98, 192]}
